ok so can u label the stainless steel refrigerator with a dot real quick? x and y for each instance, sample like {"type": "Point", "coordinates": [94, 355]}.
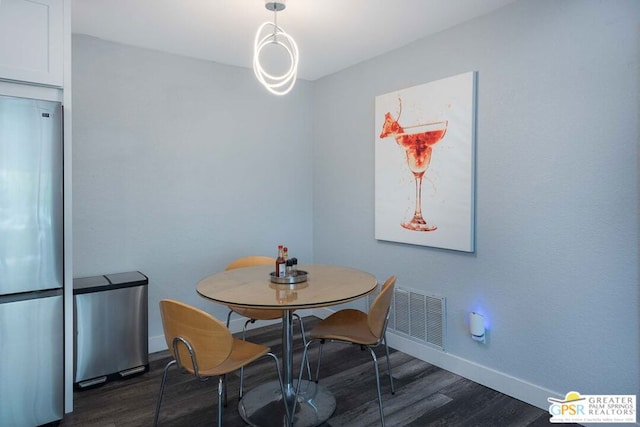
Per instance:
{"type": "Point", "coordinates": [31, 262]}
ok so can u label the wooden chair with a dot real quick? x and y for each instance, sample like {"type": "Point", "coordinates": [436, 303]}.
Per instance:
{"type": "Point", "coordinates": [201, 344]}
{"type": "Point", "coordinates": [356, 327]}
{"type": "Point", "coordinates": [254, 314]}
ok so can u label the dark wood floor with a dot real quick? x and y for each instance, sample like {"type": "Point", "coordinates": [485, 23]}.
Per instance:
{"type": "Point", "coordinates": [425, 395]}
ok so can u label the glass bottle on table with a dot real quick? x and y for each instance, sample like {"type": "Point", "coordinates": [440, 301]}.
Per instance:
{"type": "Point", "coordinates": [280, 262]}
{"type": "Point", "coordinates": [289, 265]}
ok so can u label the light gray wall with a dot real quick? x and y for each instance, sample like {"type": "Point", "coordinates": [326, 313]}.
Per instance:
{"type": "Point", "coordinates": [180, 166]}
{"type": "Point", "coordinates": [555, 269]}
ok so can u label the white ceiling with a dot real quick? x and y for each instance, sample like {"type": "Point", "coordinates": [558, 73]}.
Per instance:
{"type": "Point", "coordinates": [331, 34]}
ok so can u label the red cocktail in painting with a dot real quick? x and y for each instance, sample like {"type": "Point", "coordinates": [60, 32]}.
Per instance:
{"type": "Point", "coordinates": [417, 142]}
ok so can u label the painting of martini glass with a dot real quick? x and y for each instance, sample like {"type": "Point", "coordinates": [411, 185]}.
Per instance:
{"type": "Point", "coordinates": [424, 164]}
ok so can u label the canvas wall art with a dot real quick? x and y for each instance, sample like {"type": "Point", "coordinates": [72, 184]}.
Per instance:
{"type": "Point", "coordinates": [424, 164]}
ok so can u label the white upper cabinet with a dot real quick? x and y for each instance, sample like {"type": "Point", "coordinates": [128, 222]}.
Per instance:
{"type": "Point", "coordinates": [31, 41]}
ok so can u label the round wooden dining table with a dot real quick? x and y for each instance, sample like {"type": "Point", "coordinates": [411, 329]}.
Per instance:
{"type": "Point", "coordinates": [252, 287]}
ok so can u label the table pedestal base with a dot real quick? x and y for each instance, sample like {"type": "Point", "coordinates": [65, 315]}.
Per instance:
{"type": "Point", "coordinates": [263, 406]}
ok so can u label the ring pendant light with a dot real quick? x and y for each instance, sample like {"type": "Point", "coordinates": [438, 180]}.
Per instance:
{"type": "Point", "coordinates": [270, 33]}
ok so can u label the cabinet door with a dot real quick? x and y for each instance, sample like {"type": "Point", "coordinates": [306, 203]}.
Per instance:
{"type": "Point", "coordinates": [31, 41]}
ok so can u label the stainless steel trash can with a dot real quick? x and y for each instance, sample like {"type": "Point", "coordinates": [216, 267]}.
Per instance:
{"type": "Point", "coordinates": [111, 327]}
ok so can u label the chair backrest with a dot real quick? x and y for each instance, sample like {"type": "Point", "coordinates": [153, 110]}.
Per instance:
{"type": "Point", "coordinates": [377, 317]}
{"type": "Point", "coordinates": [209, 338]}
{"type": "Point", "coordinates": [251, 261]}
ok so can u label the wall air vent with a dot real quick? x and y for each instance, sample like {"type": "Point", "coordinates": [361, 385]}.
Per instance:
{"type": "Point", "coordinates": [418, 316]}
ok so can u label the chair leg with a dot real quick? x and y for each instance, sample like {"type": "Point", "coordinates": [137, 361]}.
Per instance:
{"type": "Point", "coordinates": [225, 376]}
{"type": "Point", "coordinates": [229, 318]}
{"type": "Point", "coordinates": [244, 336]}
{"type": "Point", "coordinates": [304, 342]}
{"type": "Point", "coordinates": [386, 348]}
{"type": "Point", "coordinates": [375, 365]}
{"type": "Point", "coordinates": [221, 387]}
{"type": "Point", "coordinates": [319, 357]}
{"type": "Point", "coordinates": [164, 379]}
{"type": "Point", "coordinates": [225, 391]}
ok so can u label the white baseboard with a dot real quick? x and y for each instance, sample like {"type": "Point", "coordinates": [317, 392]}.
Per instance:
{"type": "Point", "coordinates": [504, 383]}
